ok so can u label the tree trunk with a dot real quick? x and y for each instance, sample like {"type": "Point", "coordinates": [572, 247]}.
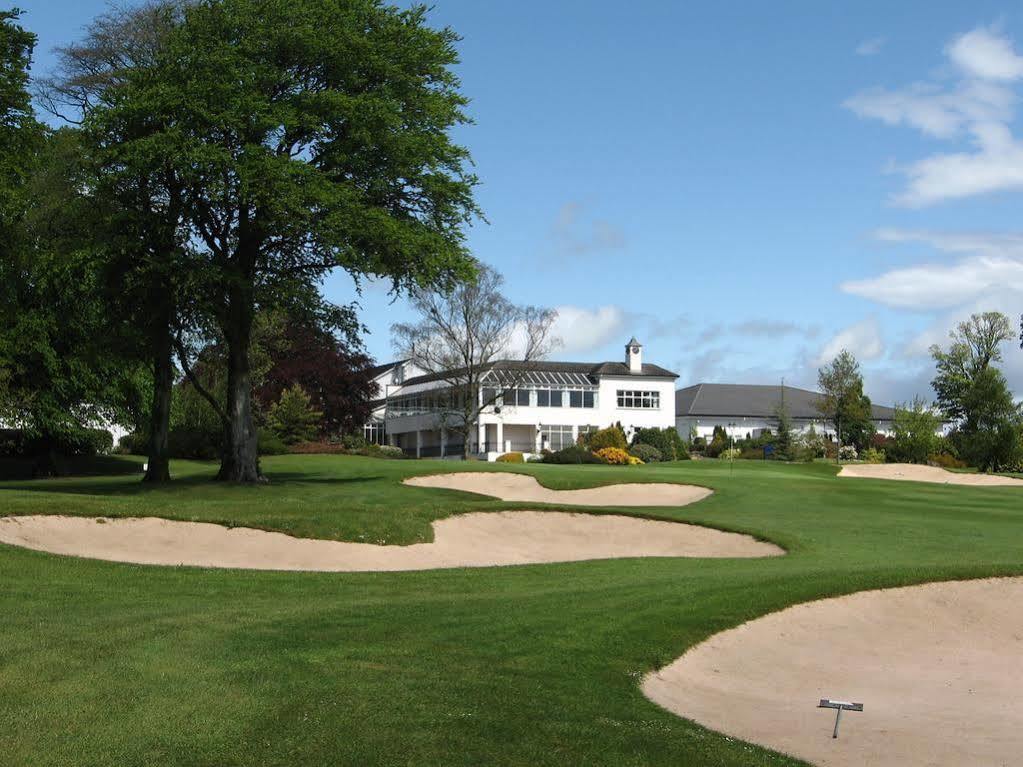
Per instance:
{"type": "Point", "coordinates": [158, 469]}
{"type": "Point", "coordinates": [240, 461]}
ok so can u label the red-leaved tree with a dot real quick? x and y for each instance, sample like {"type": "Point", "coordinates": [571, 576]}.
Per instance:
{"type": "Point", "coordinates": [337, 380]}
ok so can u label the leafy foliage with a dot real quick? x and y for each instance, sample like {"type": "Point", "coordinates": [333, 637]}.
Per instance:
{"type": "Point", "coordinates": [611, 437]}
{"type": "Point", "coordinates": [646, 453]}
{"type": "Point", "coordinates": [667, 441]}
{"type": "Point", "coordinates": [293, 417]}
{"type": "Point", "coordinates": [510, 458]}
{"type": "Point", "coordinates": [616, 456]}
{"type": "Point", "coordinates": [915, 433]}
{"type": "Point", "coordinates": [573, 454]}
{"type": "Point", "coordinates": [843, 402]}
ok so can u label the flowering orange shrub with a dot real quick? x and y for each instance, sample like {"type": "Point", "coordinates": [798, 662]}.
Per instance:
{"type": "Point", "coordinates": [617, 457]}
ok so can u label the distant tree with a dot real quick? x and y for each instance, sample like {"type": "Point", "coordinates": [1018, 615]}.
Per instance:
{"type": "Point", "coordinates": [989, 436]}
{"type": "Point", "coordinates": [310, 135]}
{"type": "Point", "coordinates": [843, 402]}
{"type": "Point", "coordinates": [336, 377]}
{"type": "Point", "coordinates": [975, 347]}
{"type": "Point", "coordinates": [915, 432]}
{"type": "Point", "coordinates": [783, 443]}
{"type": "Point", "coordinates": [461, 333]}
{"type": "Point", "coordinates": [292, 417]}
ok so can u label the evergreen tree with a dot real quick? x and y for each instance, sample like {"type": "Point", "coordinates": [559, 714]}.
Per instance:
{"type": "Point", "coordinates": [293, 417]}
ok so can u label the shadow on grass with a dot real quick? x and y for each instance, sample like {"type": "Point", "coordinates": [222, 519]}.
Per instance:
{"type": "Point", "coordinates": [82, 485]}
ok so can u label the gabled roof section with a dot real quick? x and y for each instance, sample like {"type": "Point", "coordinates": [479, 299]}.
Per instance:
{"type": "Point", "coordinates": [753, 401]}
{"type": "Point", "coordinates": [379, 370]}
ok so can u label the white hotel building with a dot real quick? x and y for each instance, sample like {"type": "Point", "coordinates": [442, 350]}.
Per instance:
{"type": "Point", "coordinates": [548, 405]}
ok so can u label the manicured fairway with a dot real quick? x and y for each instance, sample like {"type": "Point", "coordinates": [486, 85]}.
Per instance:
{"type": "Point", "coordinates": [107, 664]}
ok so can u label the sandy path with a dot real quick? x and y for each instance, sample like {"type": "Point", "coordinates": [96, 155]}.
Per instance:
{"type": "Point", "coordinates": [522, 487]}
{"type": "Point", "coordinates": [917, 473]}
{"type": "Point", "coordinates": [938, 668]}
{"type": "Point", "coordinates": [466, 540]}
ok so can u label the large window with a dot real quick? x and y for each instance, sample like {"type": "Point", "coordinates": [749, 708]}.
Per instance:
{"type": "Point", "coordinates": [375, 433]}
{"type": "Point", "coordinates": [581, 399]}
{"type": "Point", "coordinates": [519, 397]}
{"type": "Point", "coordinates": [643, 400]}
{"type": "Point", "coordinates": [556, 437]}
{"type": "Point", "coordinates": [549, 397]}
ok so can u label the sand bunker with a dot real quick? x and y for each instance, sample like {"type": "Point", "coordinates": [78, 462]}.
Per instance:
{"type": "Point", "coordinates": [917, 473]}
{"type": "Point", "coordinates": [937, 668]}
{"type": "Point", "coordinates": [467, 540]}
{"type": "Point", "coordinates": [521, 487]}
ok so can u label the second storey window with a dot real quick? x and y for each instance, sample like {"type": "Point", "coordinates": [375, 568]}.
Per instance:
{"type": "Point", "coordinates": [548, 398]}
{"type": "Point", "coordinates": [644, 400]}
{"type": "Point", "coordinates": [580, 399]}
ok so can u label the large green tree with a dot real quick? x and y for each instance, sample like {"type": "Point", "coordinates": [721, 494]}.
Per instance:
{"type": "Point", "coordinates": [973, 393]}
{"type": "Point", "coordinates": [140, 238]}
{"type": "Point", "coordinates": [976, 345]}
{"type": "Point", "coordinates": [311, 135]}
{"type": "Point", "coordinates": [843, 402]}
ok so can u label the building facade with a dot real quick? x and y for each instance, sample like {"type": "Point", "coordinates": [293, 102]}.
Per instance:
{"type": "Point", "coordinates": [530, 407]}
{"type": "Point", "coordinates": [742, 409]}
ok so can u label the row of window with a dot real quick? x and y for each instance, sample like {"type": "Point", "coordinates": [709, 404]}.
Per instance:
{"type": "Point", "coordinates": [375, 433]}
{"type": "Point", "coordinates": [644, 400]}
{"type": "Point", "coordinates": [446, 399]}
{"type": "Point", "coordinates": [586, 398]}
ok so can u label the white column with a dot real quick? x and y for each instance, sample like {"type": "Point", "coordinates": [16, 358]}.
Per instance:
{"type": "Point", "coordinates": [481, 437]}
{"type": "Point", "coordinates": [500, 436]}
{"type": "Point", "coordinates": [575, 434]}
{"type": "Point", "coordinates": [419, 443]}
{"type": "Point", "coordinates": [443, 441]}
{"type": "Point", "coordinates": [539, 440]}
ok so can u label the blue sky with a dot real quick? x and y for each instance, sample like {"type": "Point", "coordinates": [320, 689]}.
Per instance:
{"type": "Point", "coordinates": [746, 187]}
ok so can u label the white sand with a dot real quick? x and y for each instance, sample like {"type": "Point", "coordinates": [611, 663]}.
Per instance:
{"type": "Point", "coordinates": [466, 540]}
{"type": "Point", "coordinates": [916, 473]}
{"type": "Point", "coordinates": [522, 487]}
{"type": "Point", "coordinates": [939, 669]}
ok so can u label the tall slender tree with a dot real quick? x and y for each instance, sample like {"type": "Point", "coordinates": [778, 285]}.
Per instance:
{"type": "Point", "coordinates": [311, 134]}
{"type": "Point", "coordinates": [843, 402]}
{"type": "Point", "coordinates": [145, 265]}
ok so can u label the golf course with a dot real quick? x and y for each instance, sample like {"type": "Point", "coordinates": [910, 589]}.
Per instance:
{"type": "Point", "coordinates": [105, 663]}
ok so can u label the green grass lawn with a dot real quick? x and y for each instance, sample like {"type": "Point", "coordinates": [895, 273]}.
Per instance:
{"type": "Point", "coordinates": [107, 664]}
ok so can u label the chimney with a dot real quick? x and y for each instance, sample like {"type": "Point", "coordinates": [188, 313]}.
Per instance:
{"type": "Point", "coordinates": [634, 355]}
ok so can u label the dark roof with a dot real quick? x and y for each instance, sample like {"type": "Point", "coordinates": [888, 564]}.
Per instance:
{"type": "Point", "coordinates": [377, 370]}
{"type": "Point", "coordinates": [753, 401]}
{"type": "Point", "coordinates": [557, 373]}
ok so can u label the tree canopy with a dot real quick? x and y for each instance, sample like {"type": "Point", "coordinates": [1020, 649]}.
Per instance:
{"type": "Point", "coordinates": [843, 402]}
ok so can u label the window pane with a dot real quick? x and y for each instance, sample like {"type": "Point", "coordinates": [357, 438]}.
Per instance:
{"type": "Point", "coordinates": [575, 399]}
{"type": "Point", "coordinates": [543, 397]}
{"type": "Point", "coordinates": [522, 397]}
{"type": "Point", "coordinates": [556, 398]}
{"type": "Point", "coordinates": [587, 399]}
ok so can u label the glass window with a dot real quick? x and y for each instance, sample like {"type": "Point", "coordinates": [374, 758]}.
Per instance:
{"type": "Point", "coordinates": [589, 399]}
{"type": "Point", "coordinates": [575, 399]}
{"type": "Point", "coordinates": [543, 398]}
{"type": "Point", "coordinates": [646, 400]}
{"type": "Point", "coordinates": [556, 437]}
{"type": "Point", "coordinates": [556, 398]}
{"type": "Point", "coordinates": [519, 397]}
{"type": "Point", "coordinates": [490, 397]}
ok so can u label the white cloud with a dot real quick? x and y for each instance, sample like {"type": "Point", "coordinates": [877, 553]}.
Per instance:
{"type": "Point", "coordinates": [862, 339]}
{"type": "Point", "coordinates": [996, 166]}
{"type": "Point", "coordinates": [870, 47]}
{"type": "Point", "coordinates": [934, 110]}
{"type": "Point", "coordinates": [995, 264]}
{"type": "Point", "coordinates": [986, 54]}
{"type": "Point", "coordinates": [584, 330]}
{"type": "Point", "coordinates": [980, 105]}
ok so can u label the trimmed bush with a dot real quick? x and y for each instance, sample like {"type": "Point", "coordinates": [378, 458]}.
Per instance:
{"type": "Point", "coordinates": [612, 436]}
{"type": "Point", "coordinates": [390, 451]}
{"type": "Point", "coordinates": [511, 458]}
{"type": "Point", "coordinates": [667, 441]}
{"type": "Point", "coordinates": [270, 444]}
{"type": "Point", "coordinates": [873, 455]}
{"type": "Point", "coordinates": [615, 456]}
{"type": "Point", "coordinates": [646, 453]}
{"type": "Point", "coordinates": [573, 454]}
{"type": "Point", "coordinates": [196, 444]}
{"type": "Point", "coordinates": [946, 461]}
{"type": "Point", "coordinates": [847, 453]}
{"type": "Point", "coordinates": [318, 447]}
{"type": "Point", "coordinates": [353, 441]}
